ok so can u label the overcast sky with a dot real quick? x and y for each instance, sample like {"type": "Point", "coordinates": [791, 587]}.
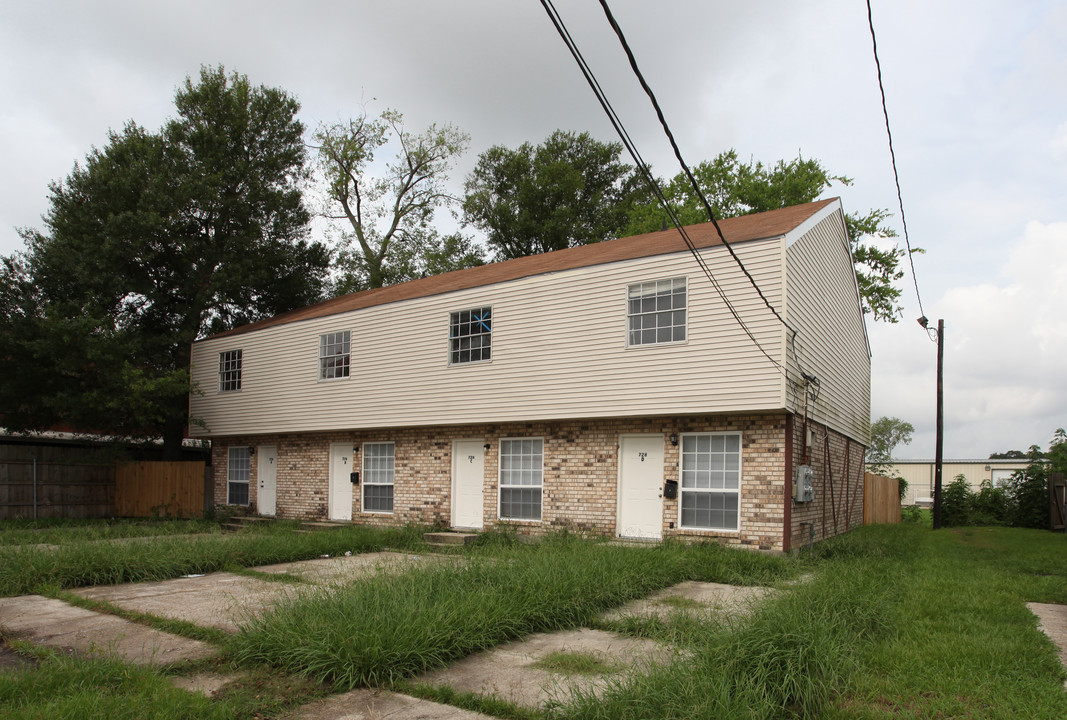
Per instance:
{"type": "Point", "coordinates": [976, 93]}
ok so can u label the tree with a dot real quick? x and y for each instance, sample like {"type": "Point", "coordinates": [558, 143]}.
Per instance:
{"type": "Point", "coordinates": [389, 237]}
{"type": "Point", "coordinates": [886, 434]}
{"type": "Point", "coordinates": [159, 239]}
{"type": "Point", "coordinates": [735, 188]}
{"type": "Point", "coordinates": [570, 190]}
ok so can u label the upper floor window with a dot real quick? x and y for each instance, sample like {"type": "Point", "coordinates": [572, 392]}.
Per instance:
{"type": "Point", "coordinates": [229, 371]}
{"type": "Point", "coordinates": [470, 334]}
{"type": "Point", "coordinates": [334, 355]}
{"type": "Point", "coordinates": [656, 312]}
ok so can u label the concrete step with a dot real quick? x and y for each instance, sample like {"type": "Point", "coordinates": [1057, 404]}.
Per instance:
{"type": "Point", "coordinates": [239, 522]}
{"type": "Point", "coordinates": [315, 525]}
{"type": "Point", "coordinates": [441, 539]}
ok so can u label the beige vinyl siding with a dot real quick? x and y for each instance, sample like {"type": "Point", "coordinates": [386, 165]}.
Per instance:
{"type": "Point", "coordinates": [559, 351]}
{"type": "Point", "coordinates": [823, 307]}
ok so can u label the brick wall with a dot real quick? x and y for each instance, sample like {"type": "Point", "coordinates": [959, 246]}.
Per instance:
{"type": "Point", "coordinates": [581, 473]}
{"type": "Point", "coordinates": [837, 462]}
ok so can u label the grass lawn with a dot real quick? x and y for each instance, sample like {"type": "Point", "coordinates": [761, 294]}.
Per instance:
{"type": "Point", "coordinates": [894, 622]}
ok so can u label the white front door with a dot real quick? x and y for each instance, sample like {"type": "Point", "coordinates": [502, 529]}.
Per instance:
{"type": "Point", "coordinates": [340, 492]}
{"type": "Point", "coordinates": [468, 481]}
{"type": "Point", "coordinates": [267, 472]}
{"type": "Point", "coordinates": [640, 486]}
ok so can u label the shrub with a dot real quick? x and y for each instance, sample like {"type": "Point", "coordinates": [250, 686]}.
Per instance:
{"type": "Point", "coordinates": [990, 505]}
{"type": "Point", "coordinates": [1029, 495]}
{"type": "Point", "coordinates": [957, 503]}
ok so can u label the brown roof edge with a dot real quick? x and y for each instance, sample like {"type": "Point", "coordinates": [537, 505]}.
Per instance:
{"type": "Point", "coordinates": [758, 226]}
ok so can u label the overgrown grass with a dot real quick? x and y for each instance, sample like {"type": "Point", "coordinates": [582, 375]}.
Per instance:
{"type": "Point", "coordinates": [964, 643]}
{"type": "Point", "coordinates": [791, 657]}
{"type": "Point", "coordinates": [64, 687]}
{"type": "Point", "coordinates": [69, 688]}
{"type": "Point", "coordinates": [576, 663]}
{"type": "Point", "coordinates": [62, 531]}
{"type": "Point", "coordinates": [25, 569]}
{"type": "Point", "coordinates": [380, 631]}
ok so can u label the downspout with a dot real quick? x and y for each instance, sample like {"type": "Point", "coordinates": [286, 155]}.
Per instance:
{"type": "Point", "coordinates": [34, 487]}
{"type": "Point", "coordinates": [787, 499]}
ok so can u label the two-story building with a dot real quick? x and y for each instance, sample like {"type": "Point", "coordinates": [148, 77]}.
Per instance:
{"type": "Point", "coordinates": [612, 388]}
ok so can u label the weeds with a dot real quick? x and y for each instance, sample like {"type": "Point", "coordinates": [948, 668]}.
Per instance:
{"type": "Point", "coordinates": [381, 631]}
{"type": "Point", "coordinates": [24, 569]}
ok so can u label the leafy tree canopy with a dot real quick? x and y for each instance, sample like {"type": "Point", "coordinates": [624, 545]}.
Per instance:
{"type": "Point", "coordinates": [388, 236]}
{"type": "Point", "coordinates": [734, 188]}
{"type": "Point", "coordinates": [160, 238]}
{"type": "Point", "coordinates": [886, 434]}
{"type": "Point", "coordinates": [570, 190]}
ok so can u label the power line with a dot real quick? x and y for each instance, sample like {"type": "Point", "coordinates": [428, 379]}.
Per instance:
{"type": "Point", "coordinates": [893, 158]}
{"type": "Point", "coordinates": [681, 161]}
{"type": "Point", "coordinates": [646, 173]}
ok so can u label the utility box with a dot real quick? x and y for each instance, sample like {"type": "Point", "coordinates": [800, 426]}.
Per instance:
{"type": "Point", "coordinates": [804, 484]}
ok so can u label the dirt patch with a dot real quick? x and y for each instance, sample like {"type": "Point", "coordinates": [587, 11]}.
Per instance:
{"type": "Point", "coordinates": [516, 672]}
{"type": "Point", "coordinates": [11, 660]}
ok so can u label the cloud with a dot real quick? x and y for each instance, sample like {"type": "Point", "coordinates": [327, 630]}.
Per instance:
{"type": "Point", "coordinates": [1005, 350]}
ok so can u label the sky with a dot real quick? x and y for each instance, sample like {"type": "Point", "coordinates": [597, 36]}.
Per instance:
{"type": "Point", "coordinates": [975, 91]}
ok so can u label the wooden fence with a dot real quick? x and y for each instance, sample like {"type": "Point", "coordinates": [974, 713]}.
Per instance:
{"type": "Point", "coordinates": [159, 489]}
{"type": "Point", "coordinates": [47, 488]}
{"type": "Point", "coordinates": [881, 500]}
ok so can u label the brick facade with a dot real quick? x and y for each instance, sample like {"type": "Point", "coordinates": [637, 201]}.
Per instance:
{"type": "Point", "coordinates": [580, 474]}
{"type": "Point", "coordinates": [837, 462]}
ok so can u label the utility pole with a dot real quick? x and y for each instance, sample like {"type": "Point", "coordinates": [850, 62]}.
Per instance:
{"type": "Point", "coordinates": [940, 431]}
{"type": "Point", "coordinates": [939, 456]}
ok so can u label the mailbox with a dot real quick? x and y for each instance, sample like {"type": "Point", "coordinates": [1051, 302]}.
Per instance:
{"type": "Point", "coordinates": [670, 489]}
{"type": "Point", "coordinates": [354, 477]}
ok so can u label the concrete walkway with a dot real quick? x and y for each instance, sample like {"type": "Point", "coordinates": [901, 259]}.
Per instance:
{"type": "Point", "coordinates": [527, 673]}
{"type": "Point", "coordinates": [55, 624]}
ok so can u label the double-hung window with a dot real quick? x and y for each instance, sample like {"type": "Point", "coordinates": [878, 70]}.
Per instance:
{"type": "Point", "coordinates": [521, 478]}
{"type": "Point", "coordinates": [470, 335]}
{"type": "Point", "coordinates": [334, 355]}
{"type": "Point", "coordinates": [711, 481]}
{"type": "Point", "coordinates": [238, 471]}
{"type": "Point", "coordinates": [229, 371]}
{"type": "Point", "coordinates": [656, 312]}
{"type": "Point", "coordinates": [379, 462]}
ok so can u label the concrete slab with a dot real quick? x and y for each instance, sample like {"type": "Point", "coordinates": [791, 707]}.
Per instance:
{"type": "Point", "coordinates": [220, 600]}
{"type": "Point", "coordinates": [344, 568]}
{"type": "Point", "coordinates": [225, 600]}
{"type": "Point", "coordinates": [55, 624]}
{"type": "Point", "coordinates": [694, 597]}
{"type": "Point", "coordinates": [508, 672]}
{"type": "Point", "coordinates": [1052, 620]}
{"type": "Point", "coordinates": [380, 705]}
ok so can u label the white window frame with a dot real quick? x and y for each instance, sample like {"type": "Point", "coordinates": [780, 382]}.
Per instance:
{"type": "Point", "coordinates": [231, 368]}
{"type": "Point", "coordinates": [722, 491]}
{"type": "Point", "coordinates": [484, 337]}
{"type": "Point", "coordinates": [378, 476]}
{"type": "Point", "coordinates": [504, 474]}
{"type": "Point", "coordinates": [239, 472]}
{"type": "Point", "coordinates": [339, 363]}
{"type": "Point", "coordinates": [654, 289]}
